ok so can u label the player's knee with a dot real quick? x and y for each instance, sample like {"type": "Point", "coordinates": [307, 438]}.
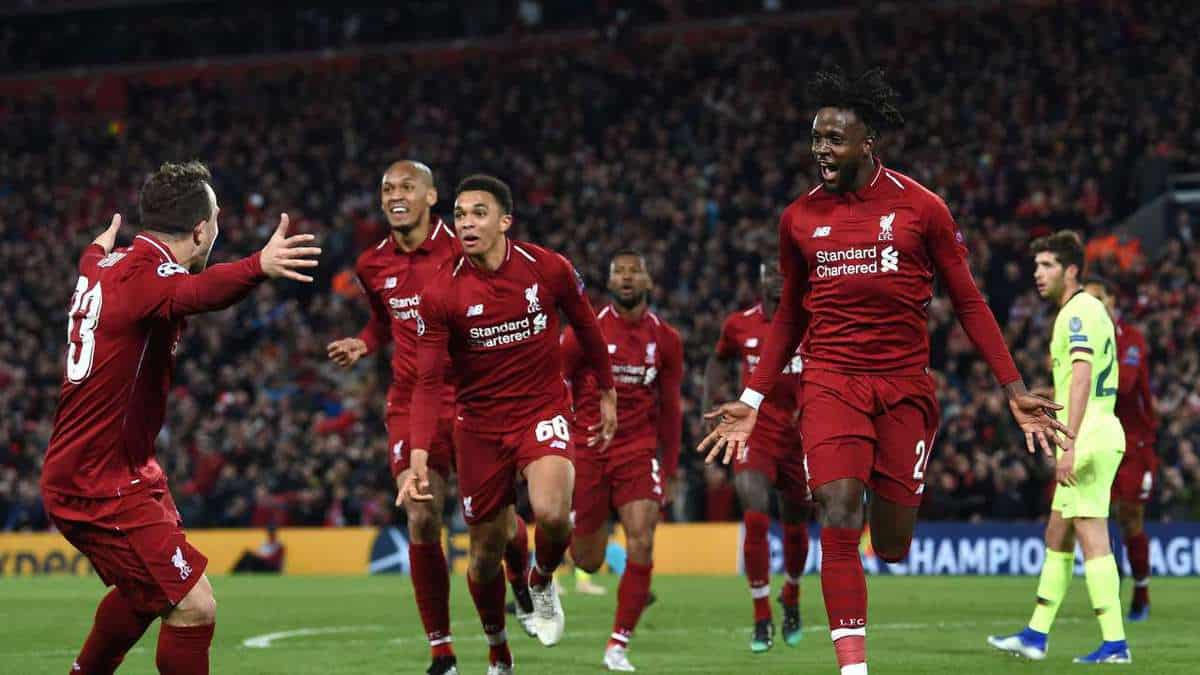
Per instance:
{"type": "Point", "coordinates": [424, 524]}
{"type": "Point", "coordinates": [556, 522]}
{"type": "Point", "coordinates": [842, 513]}
{"type": "Point", "coordinates": [640, 547]}
{"type": "Point", "coordinates": [198, 607]}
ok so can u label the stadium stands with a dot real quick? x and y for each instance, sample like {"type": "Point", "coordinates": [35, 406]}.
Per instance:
{"type": "Point", "coordinates": [1028, 120]}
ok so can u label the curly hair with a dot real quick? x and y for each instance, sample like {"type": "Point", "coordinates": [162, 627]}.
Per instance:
{"type": "Point", "coordinates": [868, 95]}
{"type": "Point", "coordinates": [491, 184]}
{"type": "Point", "coordinates": [173, 199]}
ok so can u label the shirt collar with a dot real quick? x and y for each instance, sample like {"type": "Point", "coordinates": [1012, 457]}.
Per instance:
{"type": "Point", "coordinates": [149, 242]}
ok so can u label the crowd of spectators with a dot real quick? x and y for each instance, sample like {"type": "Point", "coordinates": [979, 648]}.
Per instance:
{"type": "Point", "coordinates": [1025, 120]}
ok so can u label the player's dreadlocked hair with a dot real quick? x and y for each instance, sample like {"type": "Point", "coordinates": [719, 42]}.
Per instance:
{"type": "Point", "coordinates": [173, 199]}
{"type": "Point", "coordinates": [868, 95]}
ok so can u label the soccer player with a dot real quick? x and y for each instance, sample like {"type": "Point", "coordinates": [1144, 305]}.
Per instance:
{"type": "Point", "coordinates": [392, 274]}
{"type": "Point", "coordinates": [101, 484]}
{"type": "Point", "coordinates": [1083, 348]}
{"type": "Point", "coordinates": [859, 253]}
{"type": "Point", "coordinates": [494, 310]}
{"type": "Point", "coordinates": [771, 458]}
{"type": "Point", "coordinates": [1139, 467]}
{"type": "Point", "coordinates": [630, 476]}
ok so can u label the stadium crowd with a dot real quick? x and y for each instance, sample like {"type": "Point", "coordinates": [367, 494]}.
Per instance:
{"type": "Point", "coordinates": [1026, 120]}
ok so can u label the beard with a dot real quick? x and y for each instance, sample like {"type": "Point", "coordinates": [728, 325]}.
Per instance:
{"type": "Point", "coordinates": [634, 301]}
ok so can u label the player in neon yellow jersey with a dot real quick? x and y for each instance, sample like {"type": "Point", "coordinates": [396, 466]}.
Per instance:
{"type": "Point", "coordinates": [1083, 348]}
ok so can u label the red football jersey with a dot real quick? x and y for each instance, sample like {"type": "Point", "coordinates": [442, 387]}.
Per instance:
{"type": "Point", "coordinates": [858, 277]}
{"type": "Point", "coordinates": [392, 281]}
{"type": "Point", "coordinates": [647, 365]}
{"type": "Point", "coordinates": [501, 331]}
{"type": "Point", "coordinates": [743, 336]}
{"type": "Point", "coordinates": [1135, 403]}
{"type": "Point", "coordinates": [125, 320]}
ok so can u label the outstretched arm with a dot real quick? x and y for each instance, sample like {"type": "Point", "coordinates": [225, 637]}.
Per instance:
{"type": "Point", "coordinates": [949, 257]}
{"type": "Point", "coordinates": [176, 294]}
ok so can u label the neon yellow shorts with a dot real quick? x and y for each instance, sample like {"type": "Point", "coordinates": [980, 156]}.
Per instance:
{"type": "Point", "coordinates": [1098, 453]}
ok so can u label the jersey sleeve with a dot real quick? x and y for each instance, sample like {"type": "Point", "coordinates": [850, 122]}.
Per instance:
{"type": "Point", "coordinates": [575, 304]}
{"type": "Point", "coordinates": [91, 255]}
{"type": "Point", "coordinates": [1085, 329]}
{"type": "Point", "coordinates": [1130, 366]}
{"type": "Point", "coordinates": [572, 356]}
{"type": "Point", "coordinates": [790, 320]}
{"type": "Point", "coordinates": [949, 255]}
{"type": "Point", "coordinates": [377, 331]}
{"type": "Point", "coordinates": [433, 342]}
{"type": "Point", "coordinates": [168, 291]}
{"type": "Point", "coordinates": [727, 347]}
{"type": "Point", "coordinates": [670, 405]}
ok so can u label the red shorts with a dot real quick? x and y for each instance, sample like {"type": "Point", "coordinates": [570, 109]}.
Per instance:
{"type": "Point", "coordinates": [604, 482]}
{"type": "Point", "coordinates": [1138, 472]}
{"type": "Point", "coordinates": [878, 429]}
{"type": "Point", "coordinates": [142, 550]}
{"type": "Point", "coordinates": [489, 461]}
{"type": "Point", "coordinates": [441, 454]}
{"type": "Point", "coordinates": [781, 460]}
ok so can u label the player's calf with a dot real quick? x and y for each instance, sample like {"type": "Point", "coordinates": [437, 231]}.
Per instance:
{"type": "Point", "coordinates": [118, 627]}
{"type": "Point", "coordinates": [187, 633]}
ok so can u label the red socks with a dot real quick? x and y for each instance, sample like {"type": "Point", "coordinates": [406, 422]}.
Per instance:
{"type": "Point", "coordinates": [118, 627]}
{"type": "Point", "coordinates": [632, 594]}
{"type": "Point", "coordinates": [489, 602]}
{"type": "Point", "coordinates": [548, 554]}
{"type": "Point", "coordinates": [183, 650]}
{"type": "Point", "coordinates": [1137, 548]}
{"type": "Point", "coordinates": [756, 558]}
{"type": "Point", "coordinates": [431, 587]}
{"type": "Point", "coordinates": [516, 557]}
{"type": "Point", "coordinates": [795, 555]}
{"type": "Point", "coordinates": [845, 589]}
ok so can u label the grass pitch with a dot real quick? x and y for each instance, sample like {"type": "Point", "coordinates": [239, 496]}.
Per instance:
{"type": "Point", "coordinates": [299, 625]}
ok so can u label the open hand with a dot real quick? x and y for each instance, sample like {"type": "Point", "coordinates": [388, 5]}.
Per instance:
{"type": "Point", "coordinates": [347, 351]}
{"type": "Point", "coordinates": [735, 421]}
{"type": "Point", "coordinates": [284, 255]}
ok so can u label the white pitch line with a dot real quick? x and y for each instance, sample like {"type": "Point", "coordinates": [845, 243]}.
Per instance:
{"type": "Point", "coordinates": [264, 641]}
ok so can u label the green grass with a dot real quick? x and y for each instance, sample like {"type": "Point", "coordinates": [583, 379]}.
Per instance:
{"type": "Point", "coordinates": [699, 625]}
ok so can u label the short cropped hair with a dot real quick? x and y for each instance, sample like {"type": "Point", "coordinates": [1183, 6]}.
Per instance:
{"type": "Point", "coordinates": [627, 252]}
{"type": "Point", "coordinates": [1066, 247]}
{"type": "Point", "coordinates": [173, 199]}
{"type": "Point", "coordinates": [496, 187]}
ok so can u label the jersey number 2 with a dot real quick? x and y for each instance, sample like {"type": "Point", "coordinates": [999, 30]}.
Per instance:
{"type": "Point", "coordinates": [81, 330]}
{"type": "Point", "coordinates": [1102, 390]}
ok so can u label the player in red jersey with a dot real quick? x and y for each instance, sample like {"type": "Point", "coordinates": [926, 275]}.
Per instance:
{"type": "Point", "coordinates": [630, 476]}
{"type": "Point", "coordinates": [101, 484]}
{"type": "Point", "coordinates": [1139, 467]}
{"type": "Point", "coordinates": [392, 275]}
{"type": "Point", "coordinates": [494, 310]}
{"type": "Point", "coordinates": [771, 457]}
{"type": "Point", "coordinates": [859, 253]}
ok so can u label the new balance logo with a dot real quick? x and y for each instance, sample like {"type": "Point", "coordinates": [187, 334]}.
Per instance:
{"type": "Point", "coordinates": [885, 226]}
{"type": "Point", "coordinates": [185, 570]}
{"type": "Point", "coordinates": [822, 231]}
{"type": "Point", "coordinates": [889, 260]}
{"type": "Point", "coordinates": [475, 310]}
